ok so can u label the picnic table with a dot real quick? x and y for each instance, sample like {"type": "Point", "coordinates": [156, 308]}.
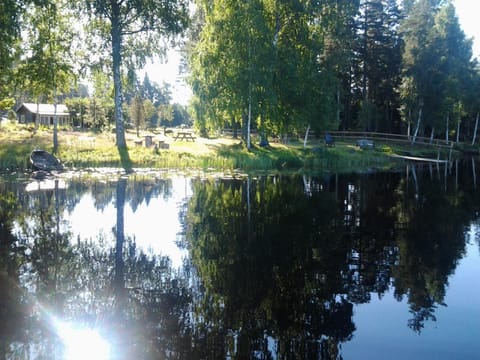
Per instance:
{"type": "Point", "coordinates": [184, 135]}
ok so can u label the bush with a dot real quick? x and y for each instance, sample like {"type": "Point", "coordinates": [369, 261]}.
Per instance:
{"type": "Point", "coordinates": [11, 116]}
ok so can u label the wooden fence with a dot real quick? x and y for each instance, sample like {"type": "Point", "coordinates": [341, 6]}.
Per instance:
{"type": "Point", "coordinates": [388, 138]}
{"type": "Point", "coordinates": [353, 136]}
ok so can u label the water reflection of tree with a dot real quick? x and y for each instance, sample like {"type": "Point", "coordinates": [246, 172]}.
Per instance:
{"type": "Point", "coordinates": [280, 261]}
{"type": "Point", "coordinates": [431, 240]}
{"type": "Point", "coordinates": [273, 276]}
{"type": "Point", "coordinates": [119, 288]}
{"type": "Point", "coordinates": [11, 306]}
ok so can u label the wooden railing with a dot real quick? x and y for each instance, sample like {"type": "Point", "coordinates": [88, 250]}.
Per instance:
{"type": "Point", "coordinates": [388, 138]}
{"type": "Point", "coordinates": [353, 136]}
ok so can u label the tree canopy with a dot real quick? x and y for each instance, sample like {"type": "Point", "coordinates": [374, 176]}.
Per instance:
{"type": "Point", "coordinates": [359, 65]}
{"type": "Point", "coordinates": [280, 67]}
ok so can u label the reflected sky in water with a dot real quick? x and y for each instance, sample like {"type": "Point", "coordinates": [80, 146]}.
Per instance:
{"type": "Point", "coordinates": [154, 226]}
{"type": "Point", "coordinates": [382, 330]}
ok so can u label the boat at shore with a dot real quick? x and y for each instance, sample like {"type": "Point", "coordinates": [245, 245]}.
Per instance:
{"type": "Point", "coordinates": [44, 161]}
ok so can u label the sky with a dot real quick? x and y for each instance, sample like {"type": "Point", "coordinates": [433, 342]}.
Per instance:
{"type": "Point", "coordinates": [168, 71]}
{"type": "Point", "coordinates": [467, 12]}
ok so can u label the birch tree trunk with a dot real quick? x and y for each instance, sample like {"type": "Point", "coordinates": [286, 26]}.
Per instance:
{"type": "Point", "coordinates": [249, 122]}
{"type": "Point", "coordinates": [475, 131]}
{"type": "Point", "coordinates": [446, 127]}
{"type": "Point", "coordinates": [55, 122]}
{"type": "Point", "coordinates": [37, 116]}
{"type": "Point", "coordinates": [418, 124]}
{"type": "Point", "coordinates": [474, 173]}
{"type": "Point", "coordinates": [117, 80]}
{"type": "Point", "coordinates": [458, 129]}
{"type": "Point", "coordinates": [306, 137]}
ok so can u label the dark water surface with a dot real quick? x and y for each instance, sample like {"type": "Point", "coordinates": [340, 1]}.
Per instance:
{"type": "Point", "coordinates": [151, 266]}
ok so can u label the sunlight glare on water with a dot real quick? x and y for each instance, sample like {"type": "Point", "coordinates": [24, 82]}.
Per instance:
{"type": "Point", "coordinates": [82, 343]}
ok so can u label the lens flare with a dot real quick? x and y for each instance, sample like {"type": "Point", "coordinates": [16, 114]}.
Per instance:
{"type": "Point", "coordinates": [82, 343]}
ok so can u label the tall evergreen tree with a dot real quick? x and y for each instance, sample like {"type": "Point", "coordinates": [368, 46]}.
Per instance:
{"type": "Point", "coordinates": [334, 33]}
{"type": "Point", "coordinates": [379, 57]}
{"type": "Point", "coordinates": [436, 64]}
{"type": "Point", "coordinates": [137, 113]}
{"type": "Point", "coordinates": [455, 66]}
{"type": "Point", "coordinates": [417, 59]}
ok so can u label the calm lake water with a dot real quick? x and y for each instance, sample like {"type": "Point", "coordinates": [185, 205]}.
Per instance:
{"type": "Point", "coordinates": [167, 266]}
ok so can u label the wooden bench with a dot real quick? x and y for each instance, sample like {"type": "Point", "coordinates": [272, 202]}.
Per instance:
{"type": "Point", "coordinates": [365, 144]}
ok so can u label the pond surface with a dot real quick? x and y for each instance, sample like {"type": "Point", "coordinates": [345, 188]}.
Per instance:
{"type": "Point", "coordinates": [159, 266]}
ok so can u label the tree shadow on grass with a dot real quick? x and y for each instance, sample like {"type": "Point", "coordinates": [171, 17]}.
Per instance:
{"type": "Point", "coordinates": [125, 160]}
{"type": "Point", "coordinates": [261, 158]}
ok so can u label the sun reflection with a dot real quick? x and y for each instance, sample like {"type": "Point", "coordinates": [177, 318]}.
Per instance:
{"type": "Point", "coordinates": [82, 342]}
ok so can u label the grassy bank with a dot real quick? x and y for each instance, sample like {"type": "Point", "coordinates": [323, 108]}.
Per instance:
{"type": "Point", "coordinates": [80, 149]}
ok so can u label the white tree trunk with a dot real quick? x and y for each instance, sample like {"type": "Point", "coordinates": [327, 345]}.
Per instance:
{"type": "Point", "coordinates": [458, 129]}
{"type": "Point", "coordinates": [446, 127]}
{"type": "Point", "coordinates": [474, 174]}
{"type": "Point", "coordinates": [55, 121]}
{"type": "Point", "coordinates": [55, 127]}
{"type": "Point", "coordinates": [418, 124]}
{"type": "Point", "coordinates": [249, 122]}
{"type": "Point", "coordinates": [475, 131]}
{"type": "Point", "coordinates": [409, 123]}
{"type": "Point", "coordinates": [306, 137]}
{"type": "Point", "coordinates": [37, 116]}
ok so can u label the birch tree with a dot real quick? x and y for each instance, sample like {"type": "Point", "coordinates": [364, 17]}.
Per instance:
{"type": "Point", "coordinates": [133, 31]}
{"type": "Point", "coordinates": [47, 67]}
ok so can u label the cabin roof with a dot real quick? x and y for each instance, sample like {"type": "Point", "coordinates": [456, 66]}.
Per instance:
{"type": "Point", "coordinates": [45, 109]}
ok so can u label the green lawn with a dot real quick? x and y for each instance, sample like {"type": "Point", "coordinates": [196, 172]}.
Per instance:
{"type": "Point", "coordinates": [80, 149]}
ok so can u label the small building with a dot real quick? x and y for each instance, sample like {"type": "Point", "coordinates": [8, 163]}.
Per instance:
{"type": "Point", "coordinates": [28, 112]}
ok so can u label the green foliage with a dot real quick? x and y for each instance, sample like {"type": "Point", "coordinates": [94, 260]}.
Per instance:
{"type": "Point", "coordinates": [149, 20]}
{"type": "Point", "coordinates": [369, 65]}
{"type": "Point", "coordinates": [47, 69]}
{"type": "Point", "coordinates": [11, 12]}
{"type": "Point", "coordinates": [165, 115]}
{"type": "Point", "coordinates": [378, 59]}
{"type": "Point", "coordinates": [155, 93]}
{"type": "Point", "coordinates": [7, 103]}
{"type": "Point", "coordinates": [150, 113]}
{"type": "Point", "coordinates": [436, 61]}
{"type": "Point", "coordinates": [12, 116]}
{"type": "Point", "coordinates": [78, 109]}
{"type": "Point", "coordinates": [137, 113]}
{"type": "Point", "coordinates": [256, 55]}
